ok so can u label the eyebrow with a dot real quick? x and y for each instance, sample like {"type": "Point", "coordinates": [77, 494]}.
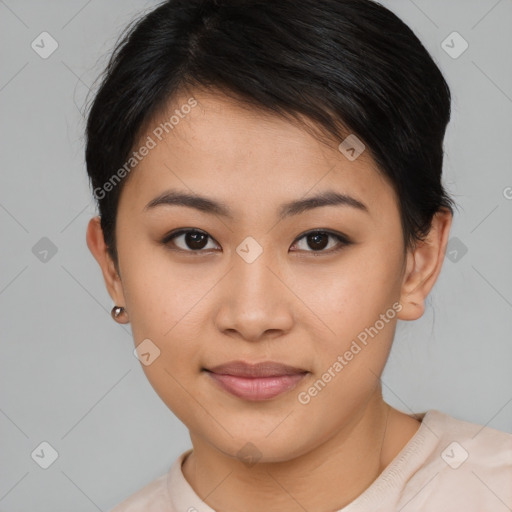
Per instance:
{"type": "Point", "coordinates": [207, 205]}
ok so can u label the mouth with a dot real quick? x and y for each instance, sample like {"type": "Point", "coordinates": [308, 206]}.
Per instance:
{"type": "Point", "coordinates": [255, 382]}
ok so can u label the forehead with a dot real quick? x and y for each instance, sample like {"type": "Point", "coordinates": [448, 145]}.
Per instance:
{"type": "Point", "coordinates": [213, 145]}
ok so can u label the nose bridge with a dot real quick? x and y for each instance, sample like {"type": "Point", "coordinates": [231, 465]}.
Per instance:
{"type": "Point", "coordinates": [251, 266]}
{"type": "Point", "coordinates": [255, 301]}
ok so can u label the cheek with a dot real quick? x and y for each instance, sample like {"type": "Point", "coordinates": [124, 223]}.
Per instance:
{"type": "Point", "coordinates": [354, 301]}
{"type": "Point", "coordinates": [167, 306]}
{"type": "Point", "coordinates": [157, 294]}
{"type": "Point", "coordinates": [167, 309]}
{"type": "Point", "coordinates": [354, 291]}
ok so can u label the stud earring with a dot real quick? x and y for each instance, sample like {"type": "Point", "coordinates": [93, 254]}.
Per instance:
{"type": "Point", "coordinates": [116, 313]}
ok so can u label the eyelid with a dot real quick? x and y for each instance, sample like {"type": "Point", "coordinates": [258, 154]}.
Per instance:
{"type": "Point", "coordinates": [343, 240]}
{"type": "Point", "coordinates": [169, 237]}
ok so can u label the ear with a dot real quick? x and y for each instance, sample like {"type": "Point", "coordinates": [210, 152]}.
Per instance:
{"type": "Point", "coordinates": [423, 267]}
{"type": "Point", "coordinates": [98, 248]}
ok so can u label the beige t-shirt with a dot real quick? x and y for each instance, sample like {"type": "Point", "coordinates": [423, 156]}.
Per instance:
{"type": "Point", "coordinates": [448, 465]}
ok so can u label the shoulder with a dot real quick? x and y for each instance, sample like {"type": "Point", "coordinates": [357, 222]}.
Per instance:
{"type": "Point", "coordinates": [469, 467]}
{"type": "Point", "coordinates": [468, 443]}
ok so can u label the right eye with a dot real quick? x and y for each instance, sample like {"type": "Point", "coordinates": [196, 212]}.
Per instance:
{"type": "Point", "coordinates": [187, 240]}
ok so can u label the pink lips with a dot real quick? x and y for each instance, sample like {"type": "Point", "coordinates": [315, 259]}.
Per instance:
{"type": "Point", "coordinates": [260, 381]}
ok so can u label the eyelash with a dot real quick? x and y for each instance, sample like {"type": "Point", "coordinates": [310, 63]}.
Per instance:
{"type": "Point", "coordinates": [343, 241]}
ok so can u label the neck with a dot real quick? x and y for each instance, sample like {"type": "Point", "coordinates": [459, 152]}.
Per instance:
{"type": "Point", "coordinates": [328, 477]}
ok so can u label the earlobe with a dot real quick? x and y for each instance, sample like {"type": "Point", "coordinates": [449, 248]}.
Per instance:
{"type": "Point", "coordinates": [424, 265]}
{"type": "Point", "coordinates": [96, 243]}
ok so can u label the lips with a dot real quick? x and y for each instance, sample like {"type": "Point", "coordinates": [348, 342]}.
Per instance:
{"type": "Point", "coordinates": [264, 369]}
{"type": "Point", "coordinates": [261, 381]}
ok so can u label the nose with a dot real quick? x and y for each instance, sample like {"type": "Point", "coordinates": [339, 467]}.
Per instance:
{"type": "Point", "coordinates": [256, 302]}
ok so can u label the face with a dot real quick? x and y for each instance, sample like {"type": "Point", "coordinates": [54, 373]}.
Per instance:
{"type": "Point", "coordinates": [315, 288]}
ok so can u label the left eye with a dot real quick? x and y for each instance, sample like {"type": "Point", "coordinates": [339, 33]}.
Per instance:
{"type": "Point", "coordinates": [195, 241]}
{"type": "Point", "coordinates": [318, 241]}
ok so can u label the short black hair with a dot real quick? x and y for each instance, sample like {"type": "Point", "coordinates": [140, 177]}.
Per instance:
{"type": "Point", "coordinates": [350, 66]}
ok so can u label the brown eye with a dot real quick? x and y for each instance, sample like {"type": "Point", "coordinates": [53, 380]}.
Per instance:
{"type": "Point", "coordinates": [189, 240]}
{"type": "Point", "coordinates": [193, 240]}
{"type": "Point", "coordinates": [317, 241]}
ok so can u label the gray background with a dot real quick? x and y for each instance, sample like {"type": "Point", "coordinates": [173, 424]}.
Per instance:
{"type": "Point", "coordinates": [68, 373]}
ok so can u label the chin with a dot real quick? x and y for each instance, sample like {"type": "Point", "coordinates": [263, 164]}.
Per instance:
{"type": "Point", "coordinates": [260, 448]}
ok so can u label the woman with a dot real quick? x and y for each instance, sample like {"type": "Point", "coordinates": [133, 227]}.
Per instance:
{"type": "Point", "coordinates": [268, 176]}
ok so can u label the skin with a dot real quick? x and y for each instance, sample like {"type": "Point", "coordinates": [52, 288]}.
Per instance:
{"type": "Point", "coordinates": [292, 305]}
